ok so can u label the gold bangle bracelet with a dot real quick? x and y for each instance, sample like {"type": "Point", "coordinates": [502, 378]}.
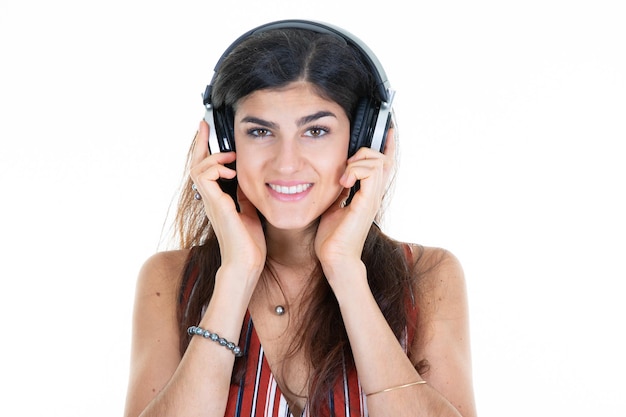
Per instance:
{"type": "Point", "coordinates": [410, 384]}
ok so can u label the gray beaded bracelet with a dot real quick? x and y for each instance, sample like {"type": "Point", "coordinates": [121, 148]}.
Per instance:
{"type": "Point", "coordinates": [199, 331]}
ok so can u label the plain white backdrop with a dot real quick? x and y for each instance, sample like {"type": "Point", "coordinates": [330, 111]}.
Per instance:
{"type": "Point", "coordinates": [512, 122]}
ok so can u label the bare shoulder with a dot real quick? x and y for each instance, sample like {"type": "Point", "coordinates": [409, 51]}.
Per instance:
{"type": "Point", "coordinates": [434, 259]}
{"type": "Point", "coordinates": [162, 271]}
{"type": "Point", "coordinates": [441, 294]}
{"type": "Point", "coordinates": [440, 282]}
{"type": "Point", "coordinates": [156, 294]}
{"type": "Point", "coordinates": [166, 262]}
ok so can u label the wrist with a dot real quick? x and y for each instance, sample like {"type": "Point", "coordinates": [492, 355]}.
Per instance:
{"type": "Point", "coordinates": [228, 305]}
{"type": "Point", "coordinates": [242, 266]}
{"type": "Point", "coordinates": [233, 290]}
{"type": "Point", "coordinates": [345, 275]}
{"type": "Point", "coordinates": [240, 276]}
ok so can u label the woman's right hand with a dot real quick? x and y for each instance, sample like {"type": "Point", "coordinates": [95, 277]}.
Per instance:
{"type": "Point", "coordinates": [240, 234]}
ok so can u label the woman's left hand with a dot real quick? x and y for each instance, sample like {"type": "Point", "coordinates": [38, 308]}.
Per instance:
{"type": "Point", "coordinates": [343, 229]}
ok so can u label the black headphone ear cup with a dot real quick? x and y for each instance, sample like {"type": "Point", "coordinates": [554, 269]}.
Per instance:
{"type": "Point", "coordinates": [224, 128]}
{"type": "Point", "coordinates": [229, 120]}
{"type": "Point", "coordinates": [362, 126]}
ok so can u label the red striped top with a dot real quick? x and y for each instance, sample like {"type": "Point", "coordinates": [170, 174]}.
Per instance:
{"type": "Point", "coordinates": [260, 396]}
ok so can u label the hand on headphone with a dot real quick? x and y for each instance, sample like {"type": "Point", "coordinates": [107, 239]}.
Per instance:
{"type": "Point", "coordinates": [343, 229]}
{"type": "Point", "coordinates": [240, 234]}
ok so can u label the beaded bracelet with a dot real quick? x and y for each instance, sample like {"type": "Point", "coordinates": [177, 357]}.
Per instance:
{"type": "Point", "coordinates": [199, 331]}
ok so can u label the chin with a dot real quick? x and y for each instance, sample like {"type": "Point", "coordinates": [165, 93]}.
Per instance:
{"type": "Point", "coordinates": [285, 222]}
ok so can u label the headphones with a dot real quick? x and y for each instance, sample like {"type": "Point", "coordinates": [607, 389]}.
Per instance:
{"type": "Point", "coordinates": [372, 115]}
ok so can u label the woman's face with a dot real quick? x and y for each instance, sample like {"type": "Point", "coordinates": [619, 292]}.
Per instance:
{"type": "Point", "coordinates": [292, 148]}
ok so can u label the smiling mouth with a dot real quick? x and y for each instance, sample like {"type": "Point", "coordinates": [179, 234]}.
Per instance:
{"type": "Point", "coordinates": [293, 189]}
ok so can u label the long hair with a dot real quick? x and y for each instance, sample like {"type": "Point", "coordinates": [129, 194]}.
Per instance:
{"type": "Point", "coordinates": [273, 59]}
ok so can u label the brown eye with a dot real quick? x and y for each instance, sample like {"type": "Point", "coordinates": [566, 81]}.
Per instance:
{"type": "Point", "coordinates": [316, 132]}
{"type": "Point", "coordinates": [259, 132]}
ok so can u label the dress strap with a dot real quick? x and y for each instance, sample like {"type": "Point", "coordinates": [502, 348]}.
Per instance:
{"type": "Point", "coordinates": [411, 303]}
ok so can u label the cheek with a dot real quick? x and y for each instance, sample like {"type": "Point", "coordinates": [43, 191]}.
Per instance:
{"type": "Point", "coordinates": [247, 171]}
{"type": "Point", "coordinates": [338, 170]}
{"type": "Point", "coordinates": [337, 164]}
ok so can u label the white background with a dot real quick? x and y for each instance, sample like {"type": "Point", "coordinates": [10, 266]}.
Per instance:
{"type": "Point", "coordinates": [512, 122]}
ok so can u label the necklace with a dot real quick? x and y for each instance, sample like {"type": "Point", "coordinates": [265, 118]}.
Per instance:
{"type": "Point", "coordinates": [279, 310]}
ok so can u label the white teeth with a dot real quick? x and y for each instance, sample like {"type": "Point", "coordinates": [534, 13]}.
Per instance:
{"type": "Point", "coordinates": [294, 189]}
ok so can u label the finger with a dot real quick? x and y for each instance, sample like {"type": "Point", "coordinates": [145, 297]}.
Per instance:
{"type": "Point", "coordinates": [212, 163]}
{"type": "Point", "coordinates": [213, 172]}
{"type": "Point", "coordinates": [365, 153]}
{"type": "Point", "coordinates": [206, 182]}
{"type": "Point", "coordinates": [360, 170]}
{"type": "Point", "coordinates": [370, 175]}
{"type": "Point", "coordinates": [390, 143]}
{"type": "Point", "coordinates": [204, 176]}
{"type": "Point", "coordinates": [390, 151]}
{"type": "Point", "coordinates": [201, 144]}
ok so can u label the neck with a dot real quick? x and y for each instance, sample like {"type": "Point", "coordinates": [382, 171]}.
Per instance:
{"type": "Point", "coordinates": [291, 248]}
{"type": "Point", "coordinates": [292, 262]}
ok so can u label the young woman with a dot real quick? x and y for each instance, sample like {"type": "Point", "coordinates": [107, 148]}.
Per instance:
{"type": "Point", "coordinates": [286, 299]}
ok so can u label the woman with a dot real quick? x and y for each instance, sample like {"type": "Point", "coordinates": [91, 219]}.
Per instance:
{"type": "Point", "coordinates": [286, 298]}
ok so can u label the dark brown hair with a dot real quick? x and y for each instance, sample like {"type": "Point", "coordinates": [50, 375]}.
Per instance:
{"type": "Point", "coordinates": [273, 59]}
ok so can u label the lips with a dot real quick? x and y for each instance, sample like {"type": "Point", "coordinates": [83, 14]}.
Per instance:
{"type": "Point", "coordinates": [291, 189]}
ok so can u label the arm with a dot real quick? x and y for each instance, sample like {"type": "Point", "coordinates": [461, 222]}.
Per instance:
{"type": "Point", "coordinates": [442, 339]}
{"type": "Point", "coordinates": [161, 382]}
{"type": "Point", "coordinates": [154, 330]}
{"type": "Point", "coordinates": [444, 336]}
{"type": "Point", "coordinates": [443, 323]}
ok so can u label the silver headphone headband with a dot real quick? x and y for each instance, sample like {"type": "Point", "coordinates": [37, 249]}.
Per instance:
{"type": "Point", "coordinates": [382, 83]}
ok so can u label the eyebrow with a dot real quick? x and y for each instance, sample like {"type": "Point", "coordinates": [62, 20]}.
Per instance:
{"type": "Point", "coordinates": [307, 119]}
{"type": "Point", "coordinates": [257, 121]}
{"type": "Point", "coordinates": [301, 121]}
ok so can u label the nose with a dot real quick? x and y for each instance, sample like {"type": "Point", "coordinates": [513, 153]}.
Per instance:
{"type": "Point", "coordinates": [288, 156]}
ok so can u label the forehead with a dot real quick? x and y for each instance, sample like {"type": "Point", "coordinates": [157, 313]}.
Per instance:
{"type": "Point", "coordinates": [301, 94]}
